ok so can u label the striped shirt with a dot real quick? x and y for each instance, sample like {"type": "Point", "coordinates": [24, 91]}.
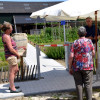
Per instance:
{"type": "Point", "coordinates": [6, 49]}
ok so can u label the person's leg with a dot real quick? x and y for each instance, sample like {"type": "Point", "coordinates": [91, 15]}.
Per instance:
{"type": "Point", "coordinates": [12, 72]}
{"type": "Point", "coordinates": [79, 84]}
{"type": "Point", "coordinates": [16, 70]}
{"type": "Point", "coordinates": [87, 79]}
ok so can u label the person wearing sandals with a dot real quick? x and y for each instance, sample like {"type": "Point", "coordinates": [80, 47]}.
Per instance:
{"type": "Point", "coordinates": [81, 64]}
{"type": "Point", "coordinates": [11, 55]}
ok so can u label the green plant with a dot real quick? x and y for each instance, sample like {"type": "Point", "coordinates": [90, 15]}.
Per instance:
{"type": "Point", "coordinates": [71, 34]}
{"type": "Point", "coordinates": [51, 34]}
{"type": "Point", "coordinates": [2, 56]}
{"type": "Point", "coordinates": [48, 30]}
{"type": "Point", "coordinates": [3, 64]}
{"type": "Point", "coordinates": [55, 52]}
{"type": "Point", "coordinates": [1, 44]}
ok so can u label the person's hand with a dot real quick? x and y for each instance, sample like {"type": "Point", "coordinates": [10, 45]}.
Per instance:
{"type": "Point", "coordinates": [71, 71]}
{"type": "Point", "coordinates": [90, 37]}
{"type": "Point", "coordinates": [18, 56]}
{"type": "Point", "coordinates": [99, 37]}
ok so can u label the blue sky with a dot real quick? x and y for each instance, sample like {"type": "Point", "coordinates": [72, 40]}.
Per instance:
{"type": "Point", "coordinates": [33, 0]}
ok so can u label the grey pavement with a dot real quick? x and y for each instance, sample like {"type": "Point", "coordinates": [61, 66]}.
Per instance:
{"type": "Point", "coordinates": [55, 78]}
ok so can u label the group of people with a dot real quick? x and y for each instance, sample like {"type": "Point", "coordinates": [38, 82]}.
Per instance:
{"type": "Point", "coordinates": [80, 61]}
{"type": "Point", "coordinates": [81, 57]}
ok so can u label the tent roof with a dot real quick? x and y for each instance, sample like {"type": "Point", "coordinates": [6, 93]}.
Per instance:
{"type": "Point", "coordinates": [69, 10]}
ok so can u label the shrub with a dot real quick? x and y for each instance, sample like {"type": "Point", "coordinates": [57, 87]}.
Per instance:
{"type": "Point", "coordinates": [48, 30]}
{"type": "Point", "coordinates": [2, 56]}
{"type": "Point", "coordinates": [55, 52]}
{"type": "Point", "coordinates": [3, 64]}
{"type": "Point", "coordinates": [71, 34]}
{"type": "Point", "coordinates": [1, 44]}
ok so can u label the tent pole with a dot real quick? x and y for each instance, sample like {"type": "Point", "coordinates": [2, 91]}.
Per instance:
{"type": "Point", "coordinates": [15, 24]}
{"type": "Point", "coordinates": [36, 28]}
{"type": "Point", "coordinates": [44, 25]}
{"type": "Point", "coordinates": [64, 34]}
{"type": "Point", "coordinates": [59, 29]}
{"type": "Point", "coordinates": [96, 38]}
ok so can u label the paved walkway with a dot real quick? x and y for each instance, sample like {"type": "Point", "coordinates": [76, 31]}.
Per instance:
{"type": "Point", "coordinates": [56, 78]}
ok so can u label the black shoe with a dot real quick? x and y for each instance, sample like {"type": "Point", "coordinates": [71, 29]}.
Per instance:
{"type": "Point", "coordinates": [17, 87]}
{"type": "Point", "coordinates": [16, 91]}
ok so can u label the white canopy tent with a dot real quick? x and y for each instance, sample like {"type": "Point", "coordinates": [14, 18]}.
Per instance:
{"type": "Point", "coordinates": [71, 10]}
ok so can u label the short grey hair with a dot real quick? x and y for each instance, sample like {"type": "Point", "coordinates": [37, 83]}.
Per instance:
{"type": "Point", "coordinates": [82, 31]}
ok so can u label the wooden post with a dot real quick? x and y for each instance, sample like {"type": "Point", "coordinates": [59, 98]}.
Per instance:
{"type": "Point", "coordinates": [21, 66]}
{"type": "Point", "coordinates": [96, 38]}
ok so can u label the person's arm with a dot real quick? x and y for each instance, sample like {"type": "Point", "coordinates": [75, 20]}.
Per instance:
{"type": "Point", "coordinates": [71, 59]}
{"type": "Point", "coordinates": [9, 45]}
{"type": "Point", "coordinates": [93, 53]}
{"type": "Point", "coordinates": [98, 34]}
{"type": "Point", "coordinates": [93, 49]}
{"type": "Point", "coordinates": [70, 62]}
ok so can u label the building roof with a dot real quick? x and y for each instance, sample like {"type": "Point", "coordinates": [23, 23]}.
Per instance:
{"type": "Point", "coordinates": [33, 0]}
{"type": "Point", "coordinates": [23, 7]}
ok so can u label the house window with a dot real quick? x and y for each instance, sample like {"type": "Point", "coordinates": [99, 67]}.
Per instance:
{"type": "Point", "coordinates": [45, 4]}
{"type": "Point", "coordinates": [26, 4]}
{"type": "Point", "coordinates": [1, 4]}
{"type": "Point", "coordinates": [27, 8]}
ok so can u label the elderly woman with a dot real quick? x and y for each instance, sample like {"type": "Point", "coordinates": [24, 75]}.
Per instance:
{"type": "Point", "coordinates": [11, 55]}
{"type": "Point", "coordinates": [81, 64]}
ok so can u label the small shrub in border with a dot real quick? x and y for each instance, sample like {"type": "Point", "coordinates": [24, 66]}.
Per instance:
{"type": "Point", "coordinates": [55, 52]}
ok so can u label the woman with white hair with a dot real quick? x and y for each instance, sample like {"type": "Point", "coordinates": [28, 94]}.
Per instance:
{"type": "Point", "coordinates": [81, 64]}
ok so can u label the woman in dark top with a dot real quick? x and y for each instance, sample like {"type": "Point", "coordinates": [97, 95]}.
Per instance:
{"type": "Point", "coordinates": [90, 29]}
